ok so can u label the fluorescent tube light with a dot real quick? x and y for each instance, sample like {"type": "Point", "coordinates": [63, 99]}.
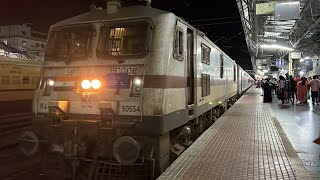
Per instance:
{"type": "Point", "coordinates": [274, 46]}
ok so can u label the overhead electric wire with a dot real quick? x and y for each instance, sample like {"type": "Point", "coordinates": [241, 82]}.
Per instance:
{"type": "Point", "coordinates": [213, 19]}
{"type": "Point", "coordinates": [209, 24]}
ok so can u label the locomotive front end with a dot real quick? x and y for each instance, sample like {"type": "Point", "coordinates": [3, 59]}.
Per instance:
{"type": "Point", "coordinates": [89, 105]}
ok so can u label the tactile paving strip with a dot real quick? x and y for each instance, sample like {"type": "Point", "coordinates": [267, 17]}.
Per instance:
{"type": "Point", "coordinates": [242, 144]}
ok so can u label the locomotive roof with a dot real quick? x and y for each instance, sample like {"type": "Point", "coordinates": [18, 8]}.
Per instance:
{"type": "Point", "coordinates": [18, 61]}
{"type": "Point", "coordinates": [123, 13]}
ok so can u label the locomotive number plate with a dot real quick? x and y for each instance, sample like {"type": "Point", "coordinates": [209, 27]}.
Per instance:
{"type": "Point", "coordinates": [129, 70]}
{"type": "Point", "coordinates": [130, 108]}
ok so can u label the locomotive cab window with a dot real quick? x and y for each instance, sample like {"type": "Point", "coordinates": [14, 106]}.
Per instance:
{"type": "Point", "coordinates": [221, 66]}
{"type": "Point", "coordinates": [124, 38]}
{"type": "Point", "coordinates": [71, 42]}
{"type": "Point", "coordinates": [205, 54]}
{"type": "Point", "coordinates": [178, 45]}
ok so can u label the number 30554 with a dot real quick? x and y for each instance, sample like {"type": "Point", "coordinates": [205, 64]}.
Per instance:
{"type": "Point", "coordinates": [130, 108]}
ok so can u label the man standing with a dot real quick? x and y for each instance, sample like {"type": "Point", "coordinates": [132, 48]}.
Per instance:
{"type": "Point", "coordinates": [314, 84]}
{"type": "Point", "coordinates": [291, 89]}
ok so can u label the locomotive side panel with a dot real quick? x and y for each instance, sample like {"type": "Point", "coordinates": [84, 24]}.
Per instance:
{"type": "Point", "coordinates": [220, 71]}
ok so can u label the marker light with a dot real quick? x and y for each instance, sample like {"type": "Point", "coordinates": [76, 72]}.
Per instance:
{"type": "Point", "coordinates": [85, 84]}
{"type": "Point", "coordinates": [95, 84]}
{"type": "Point", "coordinates": [50, 82]}
{"type": "Point", "coordinates": [137, 81]}
{"type": "Point", "coordinates": [136, 86]}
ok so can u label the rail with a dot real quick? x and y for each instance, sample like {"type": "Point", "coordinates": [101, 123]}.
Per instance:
{"type": "Point", "coordinates": [11, 125]}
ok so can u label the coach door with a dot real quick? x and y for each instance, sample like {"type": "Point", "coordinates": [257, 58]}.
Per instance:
{"type": "Point", "coordinates": [190, 72]}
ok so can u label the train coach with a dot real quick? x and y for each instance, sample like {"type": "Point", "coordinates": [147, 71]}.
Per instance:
{"type": "Point", "coordinates": [18, 80]}
{"type": "Point", "coordinates": [124, 91]}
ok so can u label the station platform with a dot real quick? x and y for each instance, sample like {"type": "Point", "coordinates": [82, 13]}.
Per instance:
{"type": "Point", "coordinates": [254, 140]}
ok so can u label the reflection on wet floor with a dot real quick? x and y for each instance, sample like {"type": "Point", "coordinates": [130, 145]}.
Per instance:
{"type": "Point", "coordinates": [301, 124]}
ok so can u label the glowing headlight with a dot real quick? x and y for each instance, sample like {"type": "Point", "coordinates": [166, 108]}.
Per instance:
{"type": "Point", "coordinates": [85, 84]}
{"type": "Point", "coordinates": [95, 84]}
{"type": "Point", "coordinates": [50, 82]}
{"type": "Point", "coordinates": [137, 81]}
{"type": "Point", "coordinates": [136, 86]}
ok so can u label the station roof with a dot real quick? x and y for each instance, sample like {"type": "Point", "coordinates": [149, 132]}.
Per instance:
{"type": "Point", "coordinates": [291, 24]}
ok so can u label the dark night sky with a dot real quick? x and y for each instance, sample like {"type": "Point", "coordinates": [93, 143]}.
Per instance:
{"type": "Point", "coordinates": [224, 24]}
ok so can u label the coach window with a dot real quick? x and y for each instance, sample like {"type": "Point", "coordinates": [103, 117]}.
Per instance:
{"type": "Point", "coordinates": [35, 80]}
{"type": "Point", "coordinates": [221, 66]}
{"type": "Point", "coordinates": [205, 84]}
{"type": "Point", "coordinates": [178, 45]}
{"type": "Point", "coordinates": [5, 80]}
{"type": "Point", "coordinates": [25, 80]}
{"type": "Point", "coordinates": [15, 79]}
{"type": "Point", "coordinates": [205, 54]}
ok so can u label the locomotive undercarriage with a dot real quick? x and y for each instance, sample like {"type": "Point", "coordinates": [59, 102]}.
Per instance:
{"type": "Point", "coordinates": [82, 149]}
{"type": "Point", "coordinates": [181, 138]}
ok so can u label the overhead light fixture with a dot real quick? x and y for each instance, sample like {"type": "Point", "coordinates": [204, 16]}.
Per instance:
{"type": "Point", "coordinates": [288, 3]}
{"type": "Point", "coordinates": [301, 73]}
{"type": "Point", "coordinates": [271, 33]}
{"type": "Point", "coordinates": [306, 58]}
{"type": "Point", "coordinates": [274, 46]}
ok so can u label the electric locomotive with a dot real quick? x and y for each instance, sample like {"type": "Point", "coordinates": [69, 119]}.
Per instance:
{"type": "Point", "coordinates": [124, 91]}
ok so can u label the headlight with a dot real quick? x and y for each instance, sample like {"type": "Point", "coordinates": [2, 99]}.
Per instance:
{"type": "Point", "coordinates": [85, 84]}
{"type": "Point", "coordinates": [136, 86]}
{"type": "Point", "coordinates": [95, 84]}
{"type": "Point", "coordinates": [50, 82]}
{"type": "Point", "coordinates": [137, 81]}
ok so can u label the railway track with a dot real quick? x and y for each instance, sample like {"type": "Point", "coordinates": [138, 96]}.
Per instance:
{"type": "Point", "coordinates": [11, 125]}
{"type": "Point", "coordinates": [13, 164]}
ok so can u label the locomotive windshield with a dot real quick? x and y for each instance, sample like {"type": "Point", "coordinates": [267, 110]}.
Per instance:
{"type": "Point", "coordinates": [124, 39]}
{"type": "Point", "coordinates": [69, 42]}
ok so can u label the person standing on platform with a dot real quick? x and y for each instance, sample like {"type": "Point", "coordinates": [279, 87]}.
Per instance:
{"type": "Point", "coordinates": [267, 91]}
{"type": "Point", "coordinates": [286, 88]}
{"type": "Point", "coordinates": [302, 90]}
{"type": "Point", "coordinates": [314, 84]}
{"type": "Point", "coordinates": [297, 79]}
{"type": "Point", "coordinates": [262, 86]}
{"type": "Point", "coordinates": [281, 93]}
{"type": "Point", "coordinates": [318, 77]}
{"type": "Point", "coordinates": [291, 89]}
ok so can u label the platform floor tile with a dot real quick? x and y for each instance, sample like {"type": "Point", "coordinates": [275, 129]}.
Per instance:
{"type": "Point", "coordinates": [242, 144]}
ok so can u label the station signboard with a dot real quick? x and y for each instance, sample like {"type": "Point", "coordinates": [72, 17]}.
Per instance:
{"type": "Point", "coordinates": [265, 8]}
{"type": "Point", "coordinates": [280, 62]}
{"type": "Point", "coordinates": [295, 55]}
